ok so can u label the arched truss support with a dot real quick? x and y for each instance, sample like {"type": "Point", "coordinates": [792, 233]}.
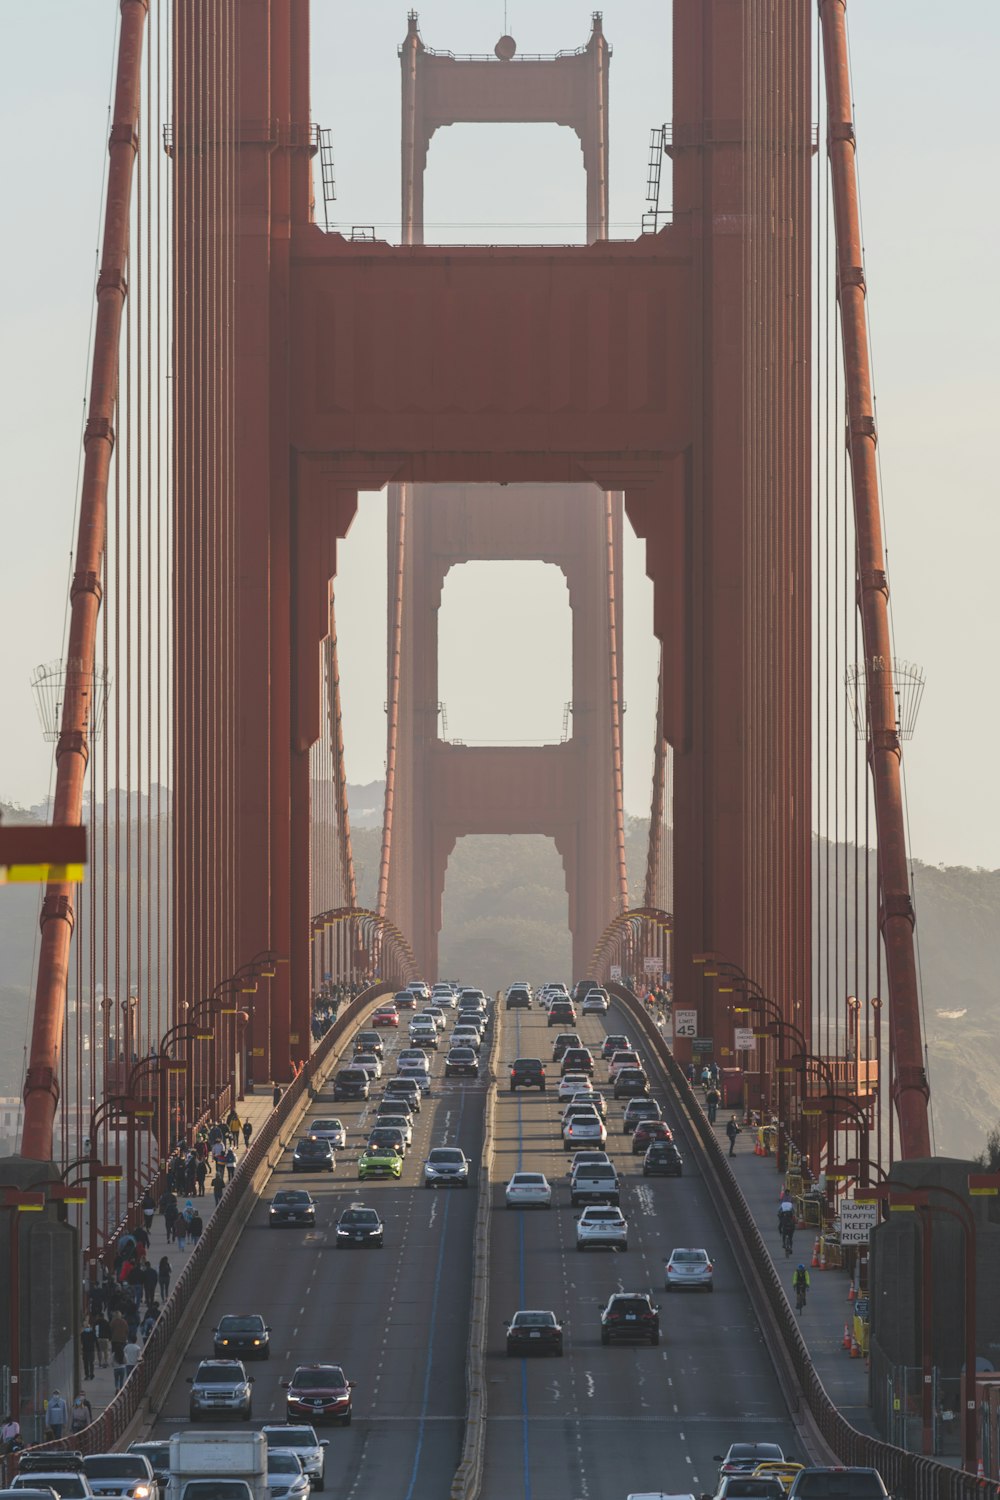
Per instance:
{"type": "Point", "coordinates": [352, 943]}
{"type": "Point", "coordinates": [630, 940]}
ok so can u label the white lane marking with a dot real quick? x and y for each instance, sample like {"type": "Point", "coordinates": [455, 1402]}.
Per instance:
{"type": "Point", "coordinates": [434, 1209]}
{"type": "Point", "coordinates": [591, 1388]}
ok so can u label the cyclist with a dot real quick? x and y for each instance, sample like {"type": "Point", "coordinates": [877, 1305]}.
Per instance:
{"type": "Point", "coordinates": [786, 1228]}
{"type": "Point", "coordinates": [800, 1281]}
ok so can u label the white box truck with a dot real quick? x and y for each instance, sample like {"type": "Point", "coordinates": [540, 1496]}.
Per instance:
{"type": "Point", "coordinates": [217, 1466]}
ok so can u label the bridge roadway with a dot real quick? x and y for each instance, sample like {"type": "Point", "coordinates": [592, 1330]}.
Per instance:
{"type": "Point", "coordinates": [591, 1426]}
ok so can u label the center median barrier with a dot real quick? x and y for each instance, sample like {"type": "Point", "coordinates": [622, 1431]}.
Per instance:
{"type": "Point", "coordinates": [909, 1476]}
{"type": "Point", "coordinates": [468, 1478]}
{"type": "Point", "coordinates": [135, 1406]}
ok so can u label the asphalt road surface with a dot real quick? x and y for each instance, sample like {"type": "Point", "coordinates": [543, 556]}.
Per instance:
{"type": "Point", "coordinates": [396, 1319]}
{"type": "Point", "coordinates": [602, 1422]}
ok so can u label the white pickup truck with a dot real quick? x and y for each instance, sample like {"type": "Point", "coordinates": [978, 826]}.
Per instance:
{"type": "Point", "coordinates": [594, 1182]}
{"type": "Point", "coordinates": [218, 1466]}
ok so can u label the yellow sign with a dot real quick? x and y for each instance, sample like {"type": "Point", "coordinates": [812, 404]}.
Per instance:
{"type": "Point", "coordinates": [257, 1052]}
{"type": "Point", "coordinates": [41, 874]}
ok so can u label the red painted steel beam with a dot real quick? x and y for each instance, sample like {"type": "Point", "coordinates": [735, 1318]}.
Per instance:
{"type": "Point", "coordinates": [41, 1089]}
{"type": "Point", "coordinates": [896, 917]}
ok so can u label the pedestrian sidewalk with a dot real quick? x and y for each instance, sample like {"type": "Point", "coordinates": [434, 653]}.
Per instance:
{"type": "Point", "coordinates": [255, 1108]}
{"type": "Point", "coordinates": [828, 1309]}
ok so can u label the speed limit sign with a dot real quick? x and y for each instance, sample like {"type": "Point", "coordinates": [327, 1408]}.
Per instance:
{"type": "Point", "coordinates": [685, 1023]}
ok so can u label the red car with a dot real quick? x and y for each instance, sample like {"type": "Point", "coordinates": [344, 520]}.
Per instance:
{"type": "Point", "coordinates": [319, 1393]}
{"type": "Point", "coordinates": [648, 1131]}
{"type": "Point", "coordinates": [386, 1016]}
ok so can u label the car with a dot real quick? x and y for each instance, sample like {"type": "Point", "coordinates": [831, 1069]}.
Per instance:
{"type": "Point", "coordinates": [396, 1107]}
{"type": "Point", "coordinates": [351, 1083]}
{"type": "Point", "coordinates": [588, 1158]}
{"type": "Point", "coordinates": [386, 1015]}
{"type": "Point", "coordinates": [534, 1331]}
{"type": "Point", "coordinates": [404, 1000]}
{"type": "Point", "coordinates": [630, 1316]}
{"type": "Point", "coordinates": [747, 1487]}
{"type": "Point", "coordinates": [467, 1036]}
{"type": "Point", "coordinates": [472, 1000]}
{"type": "Point", "coordinates": [444, 994]}
{"type": "Point", "coordinates": [623, 1057]}
{"type": "Point", "coordinates": [563, 1042]}
{"type": "Point", "coordinates": [322, 1393]}
{"type": "Point", "coordinates": [407, 1089]}
{"type": "Point", "coordinates": [743, 1458]}
{"type": "Point", "coordinates": [425, 1036]}
{"type": "Point", "coordinates": [578, 1060]}
{"type": "Point", "coordinates": [562, 1013]}
{"type": "Point", "coordinates": [784, 1472]}
{"type": "Point", "coordinates": [648, 1131]}
{"type": "Point", "coordinates": [594, 1182]}
{"type": "Point", "coordinates": [602, 1226]}
{"type": "Point", "coordinates": [369, 1041]}
{"type": "Point", "coordinates": [662, 1159]}
{"type": "Point", "coordinates": [52, 1474]}
{"type": "Point", "coordinates": [126, 1476]}
{"type": "Point", "coordinates": [817, 1483]}
{"type": "Point", "coordinates": [329, 1130]}
{"type": "Point", "coordinates": [359, 1225]}
{"type": "Point", "coordinates": [286, 1478]}
{"type": "Point", "coordinates": [420, 988]}
{"type": "Point", "coordinates": [596, 1003]}
{"type": "Point", "coordinates": [688, 1268]}
{"type": "Point", "coordinates": [157, 1450]}
{"type": "Point", "coordinates": [629, 1083]}
{"type": "Point", "coordinates": [591, 1096]}
{"type": "Point", "coordinates": [303, 1441]}
{"type": "Point", "coordinates": [221, 1387]}
{"type": "Point", "coordinates": [245, 1335]}
{"type": "Point", "coordinates": [528, 1190]}
{"type": "Point", "coordinates": [418, 1070]}
{"type": "Point", "coordinates": [518, 998]}
{"type": "Point", "coordinates": [615, 1043]}
{"type": "Point", "coordinates": [446, 1166]}
{"type": "Point", "coordinates": [312, 1156]}
{"type": "Point", "coordinates": [571, 1084]}
{"type": "Point", "coordinates": [379, 1161]}
{"type": "Point", "coordinates": [461, 1060]}
{"type": "Point", "coordinates": [639, 1109]}
{"type": "Point", "coordinates": [370, 1062]}
{"type": "Point", "coordinates": [291, 1206]}
{"type": "Point", "coordinates": [400, 1121]}
{"type": "Point", "coordinates": [436, 1014]}
{"type": "Point", "coordinates": [527, 1073]}
{"type": "Point", "coordinates": [583, 1125]}
{"type": "Point", "coordinates": [386, 1136]}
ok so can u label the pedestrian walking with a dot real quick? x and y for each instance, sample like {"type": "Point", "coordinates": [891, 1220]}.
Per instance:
{"type": "Point", "coordinates": [103, 1341]}
{"type": "Point", "coordinates": [201, 1172]}
{"type": "Point", "coordinates": [133, 1354]}
{"type": "Point", "coordinates": [218, 1186]}
{"type": "Point", "coordinates": [149, 1322]}
{"type": "Point", "coordinates": [196, 1226]}
{"type": "Point", "coordinates": [148, 1210]}
{"type": "Point", "coordinates": [732, 1130]}
{"type": "Point", "coordinates": [56, 1414]}
{"type": "Point", "coordinates": [276, 1096]}
{"type": "Point", "coordinates": [689, 1071]}
{"type": "Point", "coordinates": [230, 1163]}
{"type": "Point", "coordinates": [712, 1102]}
{"type": "Point", "coordinates": [234, 1126]}
{"type": "Point", "coordinates": [119, 1369]}
{"type": "Point", "coordinates": [88, 1348]}
{"type": "Point", "coordinates": [118, 1337]}
{"type": "Point", "coordinates": [164, 1273]}
{"type": "Point", "coordinates": [81, 1414]}
{"type": "Point", "coordinates": [10, 1434]}
{"type": "Point", "coordinates": [247, 1133]}
{"type": "Point", "coordinates": [181, 1232]}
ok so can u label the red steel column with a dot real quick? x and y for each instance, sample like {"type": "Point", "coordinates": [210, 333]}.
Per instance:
{"type": "Point", "coordinates": [41, 1089]}
{"type": "Point", "coordinates": [896, 917]}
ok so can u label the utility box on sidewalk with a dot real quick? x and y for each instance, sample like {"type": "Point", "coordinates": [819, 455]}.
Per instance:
{"type": "Point", "coordinates": [731, 1087]}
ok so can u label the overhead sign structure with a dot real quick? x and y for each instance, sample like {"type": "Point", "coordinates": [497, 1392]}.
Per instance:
{"type": "Point", "coordinates": [744, 1039]}
{"type": "Point", "coordinates": [685, 1023]}
{"type": "Point", "coordinates": [857, 1220]}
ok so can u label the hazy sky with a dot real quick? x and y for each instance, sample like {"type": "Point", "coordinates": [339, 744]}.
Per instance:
{"type": "Point", "coordinates": [928, 124]}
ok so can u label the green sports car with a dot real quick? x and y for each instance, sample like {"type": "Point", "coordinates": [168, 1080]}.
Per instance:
{"type": "Point", "coordinates": [379, 1161]}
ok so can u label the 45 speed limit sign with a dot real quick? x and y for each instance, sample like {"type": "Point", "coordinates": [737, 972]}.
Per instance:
{"type": "Point", "coordinates": [685, 1023]}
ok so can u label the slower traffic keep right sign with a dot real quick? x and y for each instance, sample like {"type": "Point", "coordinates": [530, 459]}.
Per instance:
{"type": "Point", "coordinates": [857, 1220]}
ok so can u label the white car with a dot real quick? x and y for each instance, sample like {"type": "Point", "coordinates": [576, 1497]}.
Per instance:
{"type": "Point", "coordinates": [623, 1060]}
{"type": "Point", "coordinates": [595, 1003]}
{"type": "Point", "coordinates": [443, 994]}
{"type": "Point", "coordinates": [436, 1014]}
{"type": "Point", "coordinates": [572, 1083]}
{"type": "Point", "coordinates": [286, 1478]}
{"type": "Point", "coordinates": [529, 1190]}
{"type": "Point", "coordinates": [584, 1127]}
{"type": "Point", "coordinates": [420, 988]}
{"type": "Point", "coordinates": [417, 1069]}
{"type": "Point", "coordinates": [400, 1122]}
{"type": "Point", "coordinates": [689, 1268]}
{"type": "Point", "coordinates": [592, 1097]}
{"type": "Point", "coordinates": [329, 1130]}
{"type": "Point", "coordinates": [369, 1062]}
{"type": "Point", "coordinates": [467, 1036]}
{"type": "Point", "coordinates": [602, 1226]}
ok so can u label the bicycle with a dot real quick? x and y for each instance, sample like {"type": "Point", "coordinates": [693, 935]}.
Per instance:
{"type": "Point", "coordinates": [787, 1238]}
{"type": "Point", "coordinates": [800, 1296]}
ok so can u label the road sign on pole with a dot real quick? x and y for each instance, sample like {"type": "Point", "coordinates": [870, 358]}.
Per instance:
{"type": "Point", "coordinates": [744, 1039]}
{"type": "Point", "coordinates": [857, 1220]}
{"type": "Point", "coordinates": [685, 1023]}
{"type": "Point", "coordinates": [616, 973]}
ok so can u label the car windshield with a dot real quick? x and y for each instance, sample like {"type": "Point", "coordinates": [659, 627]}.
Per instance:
{"type": "Point", "coordinates": [283, 1463]}
{"type": "Point", "coordinates": [534, 1320]}
{"type": "Point", "coordinates": [762, 1452]}
{"type": "Point", "coordinates": [69, 1486]}
{"type": "Point", "coordinates": [157, 1453]}
{"type": "Point", "coordinates": [688, 1257]}
{"type": "Point", "coordinates": [327, 1125]}
{"type": "Point", "coordinates": [462, 1052]}
{"type": "Point", "coordinates": [612, 1215]}
{"type": "Point", "coordinates": [312, 1148]}
{"type": "Point", "coordinates": [398, 1122]}
{"type": "Point", "coordinates": [760, 1489]}
{"type": "Point", "coordinates": [289, 1196]}
{"type": "Point", "coordinates": [597, 1169]}
{"type": "Point", "coordinates": [290, 1437]}
{"type": "Point", "coordinates": [234, 1324]}
{"type": "Point", "coordinates": [218, 1374]}
{"type": "Point", "coordinates": [840, 1486]}
{"type": "Point", "coordinates": [318, 1377]}
{"type": "Point", "coordinates": [525, 1179]}
{"type": "Point", "coordinates": [629, 1305]}
{"type": "Point", "coordinates": [359, 1216]}
{"type": "Point", "coordinates": [114, 1466]}
{"type": "Point", "coordinates": [446, 1154]}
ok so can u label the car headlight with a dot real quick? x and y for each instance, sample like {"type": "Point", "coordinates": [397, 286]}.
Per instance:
{"type": "Point", "coordinates": [344, 1232]}
{"type": "Point", "coordinates": [141, 1492]}
{"type": "Point", "coordinates": [256, 1343]}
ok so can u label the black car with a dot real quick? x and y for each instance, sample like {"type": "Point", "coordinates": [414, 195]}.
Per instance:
{"type": "Point", "coordinates": [630, 1082]}
{"type": "Point", "coordinates": [312, 1156]}
{"type": "Point", "coordinates": [838, 1484]}
{"type": "Point", "coordinates": [394, 1104]}
{"type": "Point", "coordinates": [518, 999]}
{"type": "Point", "coordinates": [614, 1043]}
{"type": "Point", "coordinates": [534, 1332]}
{"type": "Point", "coordinates": [527, 1073]}
{"type": "Point", "coordinates": [404, 1000]}
{"type": "Point", "coordinates": [743, 1458]}
{"type": "Point", "coordinates": [387, 1135]}
{"type": "Point", "coordinates": [562, 1013]}
{"type": "Point", "coordinates": [359, 1225]}
{"type": "Point", "coordinates": [351, 1083]}
{"type": "Point", "coordinates": [578, 1060]}
{"type": "Point", "coordinates": [242, 1336]}
{"type": "Point", "coordinates": [662, 1159]}
{"type": "Point", "coordinates": [370, 1041]}
{"type": "Point", "coordinates": [407, 1089]}
{"type": "Point", "coordinates": [291, 1206]}
{"type": "Point", "coordinates": [630, 1316]}
{"type": "Point", "coordinates": [639, 1109]}
{"type": "Point", "coordinates": [461, 1060]}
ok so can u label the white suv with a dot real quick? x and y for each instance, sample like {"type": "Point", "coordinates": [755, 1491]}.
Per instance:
{"type": "Point", "coordinates": [602, 1226]}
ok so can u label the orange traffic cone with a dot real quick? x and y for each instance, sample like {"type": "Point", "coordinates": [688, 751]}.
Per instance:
{"type": "Point", "coordinates": [855, 1349]}
{"type": "Point", "coordinates": [980, 1471]}
{"type": "Point", "coordinates": [815, 1259]}
{"type": "Point", "coordinates": [851, 1293]}
{"type": "Point", "coordinates": [847, 1337]}
{"type": "Point", "coordinates": [822, 1253]}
